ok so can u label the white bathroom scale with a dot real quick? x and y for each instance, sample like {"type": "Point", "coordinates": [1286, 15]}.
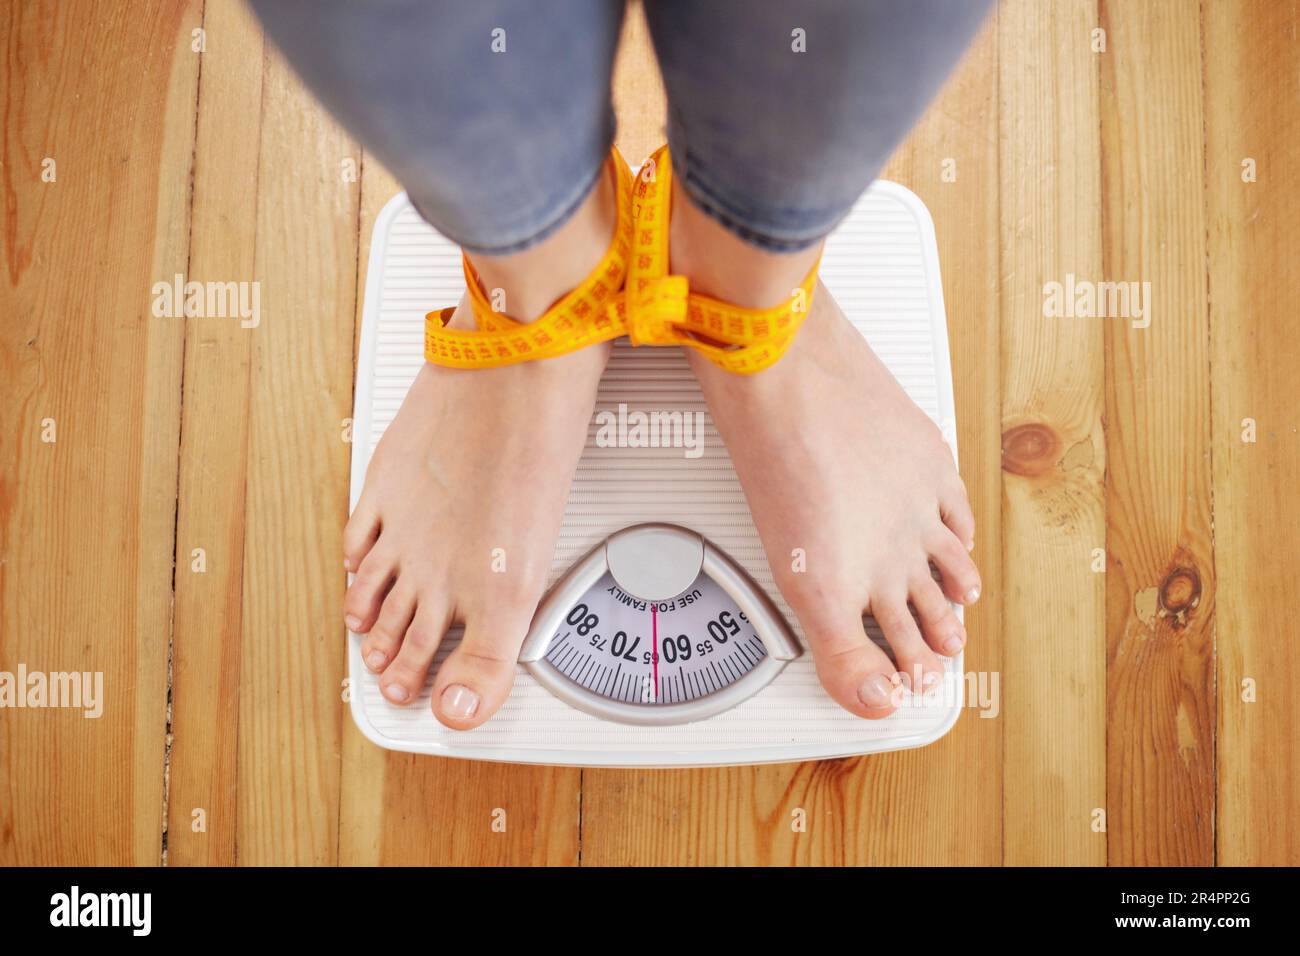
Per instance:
{"type": "Point", "coordinates": [662, 641]}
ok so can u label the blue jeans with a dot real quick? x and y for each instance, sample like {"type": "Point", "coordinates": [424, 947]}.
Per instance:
{"type": "Point", "coordinates": [495, 115]}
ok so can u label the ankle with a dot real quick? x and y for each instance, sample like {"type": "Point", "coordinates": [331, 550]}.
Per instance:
{"type": "Point", "coordinates": [720, 264]}
{"type": "Point", "coordinates": [528, 283]}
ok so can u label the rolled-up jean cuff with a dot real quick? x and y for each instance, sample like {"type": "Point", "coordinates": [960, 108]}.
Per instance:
{"type": "Point", "coordinates": [558, 214]}
{"type": "Point", "coordinates": [811, 229]}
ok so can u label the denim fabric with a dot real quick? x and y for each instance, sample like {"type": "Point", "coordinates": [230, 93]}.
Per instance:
{"type": "Point", "coordinates": [495, 115]}
{"type": "Point", "coordinates": [777, 145]}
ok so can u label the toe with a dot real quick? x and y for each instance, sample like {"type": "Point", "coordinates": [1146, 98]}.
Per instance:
{"type": "Point", "coordinates": [939, 625]}
{"type": "Point", "coordinates": [367, 591]}
{"type": "Point", "coordinates": [959, 577]}
{"type": "Point", "coordinates": [857, 674]}
{"type": "Point", "coordinates": [916, 662]}
{"type": "Point", "coordinates": [385, 637]}
{"type": "Point", "coordinates": [403, 679]}
{"type": "Point", "coordinates": [476, 677]}
{"type": "Point", "coordinates": [359, 535]}
{"type": "Point", "coordinates": [954, 508]}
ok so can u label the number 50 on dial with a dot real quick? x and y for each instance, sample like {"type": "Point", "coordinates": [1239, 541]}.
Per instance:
{"type": "Point", "coordinates": [656, 626]}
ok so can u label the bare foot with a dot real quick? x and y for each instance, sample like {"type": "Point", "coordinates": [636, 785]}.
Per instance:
{"type": "Point", "coordinates": [465, 493]}
{"type": "Point", "coordinates": [837, 461]}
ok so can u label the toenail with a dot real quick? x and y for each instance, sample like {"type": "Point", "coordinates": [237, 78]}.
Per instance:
{"type": "Point", "coordinates": [876, 691]}
{"type": "Point", "coordinates": [970, 545]}
{"type": "Point", "coordinates": [459, 702]}
{"type": "Point", "coordinates": [376, 660]}
{"type": "Point", "coordinates": [972, 596]}
{"type": "Point", "coordinates": [396, 693]}
{"type": "Point", "coordinates": [952, 645]}
{"type": "Point", "coordinates": [929, 680]}
{"type": "Point", "coordinates": [353, 623]}
{"type": "Point", "coordinates": [347, 565]}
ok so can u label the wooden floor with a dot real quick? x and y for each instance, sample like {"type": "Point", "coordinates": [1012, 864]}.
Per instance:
{"type": "Point", "coordinates": [1135, 488]}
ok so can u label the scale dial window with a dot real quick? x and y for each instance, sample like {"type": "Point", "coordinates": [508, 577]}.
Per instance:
{"type": "Point", "coordinates": [634, 651]}
{"type": "Point", "coordinates": [656, 626]}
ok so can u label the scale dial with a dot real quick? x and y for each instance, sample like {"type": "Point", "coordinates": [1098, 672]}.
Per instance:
{"type": "Point", "coordinates": [628, 649]}
{"type": "Point", "coordinates": [656, 626]}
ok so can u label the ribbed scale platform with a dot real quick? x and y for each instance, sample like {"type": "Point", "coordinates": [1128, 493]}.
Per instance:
{"type": "Point", "coordinates": [882, 267]}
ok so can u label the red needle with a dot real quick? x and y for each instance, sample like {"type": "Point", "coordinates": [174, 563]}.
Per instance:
{"type": "Point", "coordinates": [654, 646]}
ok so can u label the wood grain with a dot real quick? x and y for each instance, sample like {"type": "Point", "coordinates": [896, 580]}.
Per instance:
{"type": "Point", "coordinates": [292, 662]}
{"type": "Point", "coordinates": [1159, 690]}
{"type": "Point", "coordinates": [1053, 448]}
{"type": "Point", "coordinates": [362, 808]}
{"type": "Point", "coordinates": [638, 91]}
{"type": "Point", "coordinates": [1252, 62]}
{"type": "Point", "coordinates": [203, 782]}
{"type": "Point", "coordinates": [86, 519]}
{"type": "Point", "coordinates": [1159, 557]}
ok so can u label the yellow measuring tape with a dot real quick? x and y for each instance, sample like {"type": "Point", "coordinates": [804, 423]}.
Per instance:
{"type": "Point", "coordinates": [630, 292]}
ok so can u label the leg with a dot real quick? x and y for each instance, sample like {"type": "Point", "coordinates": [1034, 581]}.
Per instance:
{"type": "Point", "coordinates": [504, 152]}
{"type": "Point", "coordinates": [754, 202]}
{"type": "Point", "coordinates": [496, 137]}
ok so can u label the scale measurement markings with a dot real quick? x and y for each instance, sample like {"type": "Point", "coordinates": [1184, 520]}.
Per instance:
{"type": "Point", "coordinates": [669, 652]}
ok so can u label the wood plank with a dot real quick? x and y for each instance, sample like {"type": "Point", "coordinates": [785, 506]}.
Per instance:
{"type": "Point", "coordinates": [1252, 65]}
{"type": "Point", "coordinates": [206, 647]}
{"type": "Point", "coordinates": [439, 811]}
{"type": "Point", "coordinates": [936, 810]}
{"type": "Point", "coordinates": [292, 657]}
{"type": "Point", "coordinates": [727, 816]}
{"type": "Point", "coordinates": [86, 521]}
{"type": "Point", "coordinates": [1159, 553]}
{"type": "Point", "coordinates": [638, 91]}
{"type": "Point", "coordinates": [363, 812]}
{"type": "Point", "coordinates": [1053, 447]}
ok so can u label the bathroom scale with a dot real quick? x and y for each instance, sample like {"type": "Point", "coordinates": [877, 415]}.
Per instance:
{"type": "Point", "coordinates": [662, 640]}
